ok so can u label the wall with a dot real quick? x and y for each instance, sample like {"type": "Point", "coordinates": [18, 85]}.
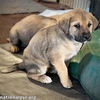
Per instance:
{"type": "Point", "coordinates": [76, 3]}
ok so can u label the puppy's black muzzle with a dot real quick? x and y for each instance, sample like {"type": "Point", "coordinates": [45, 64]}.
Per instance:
{"type": "Point", "coordinates": [83, 37]}
{"type": "Point", "coordinates": [87, 36]}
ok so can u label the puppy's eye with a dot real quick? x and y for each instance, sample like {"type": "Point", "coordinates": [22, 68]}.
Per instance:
{"type": "Point", "coordinates": [77, 26]}
{"type": "Point", "coordinates": [89, 24]}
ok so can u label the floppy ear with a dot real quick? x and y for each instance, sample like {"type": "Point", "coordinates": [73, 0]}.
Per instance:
{"type": "Point", "coordinates": [64, 24]}
{"type": "Point", "coordinates": [94, 20]}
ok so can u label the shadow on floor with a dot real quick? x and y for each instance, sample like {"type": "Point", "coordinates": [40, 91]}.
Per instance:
{"type": "Point", "coordinates": [75, 92]}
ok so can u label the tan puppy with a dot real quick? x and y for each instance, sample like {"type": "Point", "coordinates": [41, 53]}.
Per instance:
{"type": "Point", "coordinates": [22, 32]}
{"type": "Point", "coordinates": [56, 44]}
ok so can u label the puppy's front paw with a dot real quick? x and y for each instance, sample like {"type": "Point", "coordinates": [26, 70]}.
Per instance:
{"type": "Point", "coordinates": [14, 49]}
{"type": "Point", "coordinates": [67, 84]}
{"type": "Point", "coordinates": [45, 79]}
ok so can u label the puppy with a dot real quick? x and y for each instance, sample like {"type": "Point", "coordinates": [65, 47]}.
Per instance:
{"type": "Point", "coordinates": [22, 32]}
{"type": "Point", "coordinates": [56, 44]}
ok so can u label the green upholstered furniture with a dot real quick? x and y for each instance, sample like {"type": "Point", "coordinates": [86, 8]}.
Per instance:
{"type": "Point", "coordinates": [86, 66]}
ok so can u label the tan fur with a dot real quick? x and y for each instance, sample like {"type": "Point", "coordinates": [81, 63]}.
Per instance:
{"type": "Point", "coordinates": [27, 27]}
{"type": "Point", "coordinates": [22, 32]}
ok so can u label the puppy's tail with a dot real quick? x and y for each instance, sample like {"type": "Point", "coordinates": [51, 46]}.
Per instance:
{"type": "Point", "coordinates": [15, 67]}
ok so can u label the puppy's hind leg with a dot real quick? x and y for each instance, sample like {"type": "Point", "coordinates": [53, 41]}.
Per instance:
{"type": "Point", "coordinates": [14, 49]}
{"type": "Point", "coordinates": [14, 39]}
{"type": "Point", "coordinates": [39, 75]}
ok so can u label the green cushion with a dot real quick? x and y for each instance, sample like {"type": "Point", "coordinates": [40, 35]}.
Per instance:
{"type": "Point", "coordinates": [90, 76]}
{"type": "Point", "coordinates": [86, 66]}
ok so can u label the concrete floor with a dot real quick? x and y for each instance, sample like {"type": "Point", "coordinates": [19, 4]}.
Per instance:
{"type": "Point", "coordinates": [20, 6]}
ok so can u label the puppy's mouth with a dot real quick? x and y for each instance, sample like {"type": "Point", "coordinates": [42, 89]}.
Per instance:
{"type": "Point", "coordinates": [84, 37]}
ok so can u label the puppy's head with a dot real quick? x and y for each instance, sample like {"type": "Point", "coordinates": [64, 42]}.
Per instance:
{"type": "Point", "coordinates": [78, 25]}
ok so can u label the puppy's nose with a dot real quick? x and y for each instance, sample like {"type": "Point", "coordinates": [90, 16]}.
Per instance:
{"type": "Point", "coordinates": [87, 36]}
